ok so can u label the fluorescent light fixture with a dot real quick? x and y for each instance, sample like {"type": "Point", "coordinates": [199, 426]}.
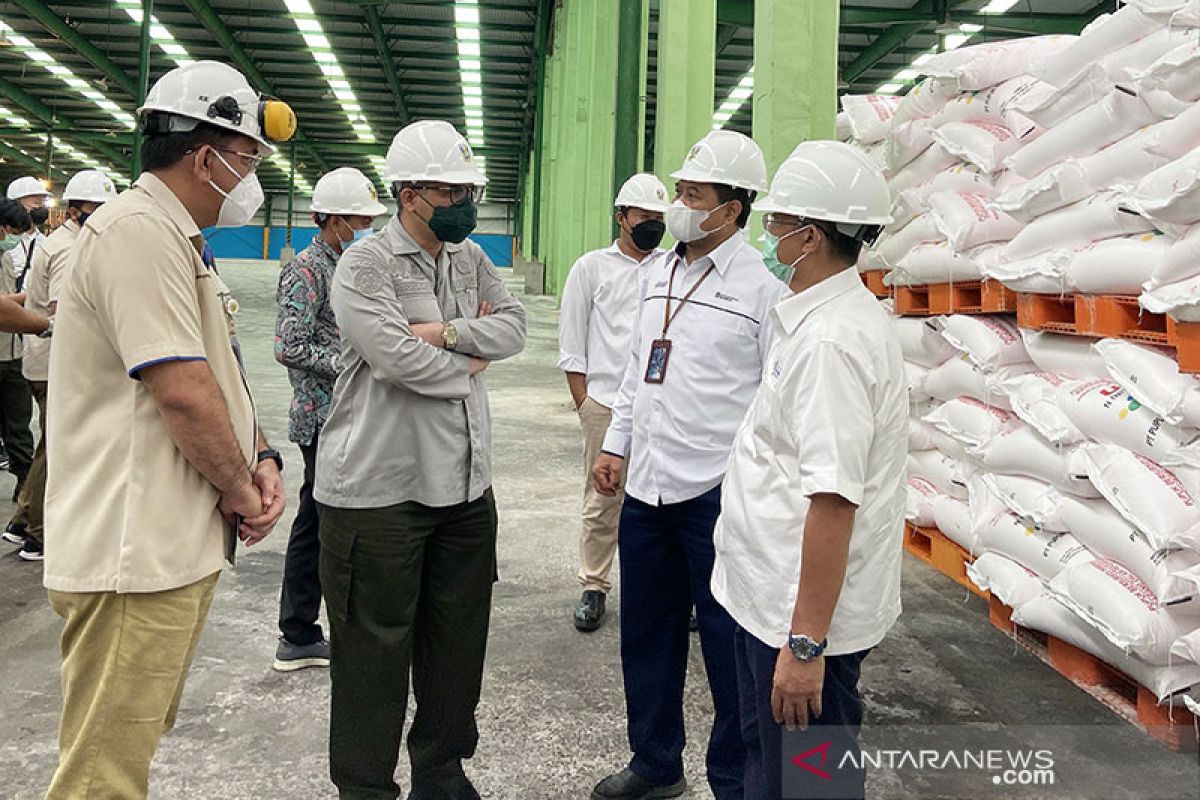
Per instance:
{"type": "Point", "coordinates": [159, 34]}
{"type": "Point", "coordinates": [472, 77]}
{"type": "Point", "coordinates": [998, 6]}
{"type": "Point", "coordinates": [468, 48]}
{"type": "Point", "coordinates": [470, 70]}
{"type": "Point", "coordinates": [308, 25]}
{"type": "Point", "coordinates": [924, 58]}
{"type": "Point", "coordinates": [316, 41]}
{"type": "Point", "coordinates": [476, 91]}
{"type": "Point", "coordinates": [470, 65]}
{"type": "Point", "coordinates": [955, 40]}
{"type": "Point", "coordinates": [889, 88]}
{"type": "Point", "coordinates": [466, 15]}
{"type": "Point", "coordinates": [468, 34]}
{"type": "Point", "coordinates": [968, 27]}
{"type": "Point", "coordinates": [906, 75]}
{"type": "Point", "coordinates": [734, 101]}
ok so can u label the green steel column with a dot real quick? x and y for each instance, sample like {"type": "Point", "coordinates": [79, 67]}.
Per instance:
{"type": "Point", "coordinates": [629, 91]}
{"type": "Point", "coordinates": [795, 74]}
{"type": "Point", "coordinates": [602, 121]}
{"type": "Point", "coordinates": [643, 77]}
{"type": "Point", "coordinates": [143, 80]}
{"type": "Point", "coordinates": [49, 155]}
{"type": "Point", "coordinates": [687, 52]}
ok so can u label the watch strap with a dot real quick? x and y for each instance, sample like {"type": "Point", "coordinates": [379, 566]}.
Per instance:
{"type": "Point", "coordinates": [273, 455]}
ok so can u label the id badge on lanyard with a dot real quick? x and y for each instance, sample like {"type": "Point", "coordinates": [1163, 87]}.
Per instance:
{"type": "Point", "coordinates": [660, 348]}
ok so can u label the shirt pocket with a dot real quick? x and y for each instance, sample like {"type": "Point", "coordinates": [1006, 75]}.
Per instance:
{"type": "Point", "coordinates": [735, 339]}
{"type": "Point", "coordinates": [465, 282]}
{"type": "Point", "coordinates": [418, 300]}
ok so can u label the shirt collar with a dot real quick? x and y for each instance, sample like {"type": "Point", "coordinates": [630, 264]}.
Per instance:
{"type": "Point", "coordinates": [167, 200]}
{"type": "Point", "coordinates": [722, 255]}
{"type": "Point", "coordinates": [790, 313]}
{"type": "Point", "coordinates": [327, 249]}
{"type": "Point", "coordinates": [615, 249]}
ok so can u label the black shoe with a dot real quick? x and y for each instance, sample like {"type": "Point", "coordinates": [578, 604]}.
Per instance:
{"type": "Point", "coordinates": [693, 623]}
{"type": "Point", "coordinates": [625, 785]}
{"type": "Point", "coordinates": [14, 533]}
{"type": "Point", "coordinates": [32, 551]}
{"type": "Point", "coordinates": [589, 614]}
{"type": "Point", "coordinates": [462, 790]}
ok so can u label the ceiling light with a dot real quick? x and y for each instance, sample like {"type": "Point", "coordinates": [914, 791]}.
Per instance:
{"type": "Point", "coordinates": [468, 48]}
{"type": "Point", "coordinates": [889, 88]}
{"type": "Point", "coordinates": [998, 6]}
{"type": "Point", "coordinates": [734, 101]}
{"type": "Point", "coordinates": [967, 27]}
{"type": "Point", "coordinates": [906, 75]}
{"type": "Point", "coordinates": [955, 40]}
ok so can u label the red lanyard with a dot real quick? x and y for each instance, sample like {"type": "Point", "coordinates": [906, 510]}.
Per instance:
{"type": "Point", "coordinates": [668, 315]}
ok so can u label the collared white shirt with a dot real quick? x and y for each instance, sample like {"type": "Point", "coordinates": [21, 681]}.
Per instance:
{"type": "Point", "coordinates": [677, 434]}
{"type": "Point", "coordinates": [599, 307]}
{"type": "Point", "coordinates": [830, 417]}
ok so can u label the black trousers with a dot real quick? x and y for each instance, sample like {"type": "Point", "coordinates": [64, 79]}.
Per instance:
{"type": "Point", "coordinates": [16, 412]}
{"type": "Point", "coordinates": [667, 559]}
{"type": "Point", "coordinates": [407, 587]}
{"type": "Point", "coordinates": [838, 725]}
{"type": "Point", "coordinates": [300, 598]}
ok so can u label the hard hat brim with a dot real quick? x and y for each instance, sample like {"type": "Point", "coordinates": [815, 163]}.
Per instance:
{"type": "Point", "coordinates": [374, 210]}
{"type": "Point", "coordinates": [773, 205]}
{"type": "Point", "coordinates": [661, 208]}
{"type": "Point", "coordinates": [701, 176]}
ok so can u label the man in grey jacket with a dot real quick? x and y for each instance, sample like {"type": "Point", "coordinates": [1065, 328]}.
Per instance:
{"type": "Point", "coordinates": [408, 521]}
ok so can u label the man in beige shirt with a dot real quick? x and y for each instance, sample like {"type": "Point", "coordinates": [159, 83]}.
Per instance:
{"type": "Point", "coordinates": [84, 193]}
{"type": "Point", "coordinates": [154, 453]}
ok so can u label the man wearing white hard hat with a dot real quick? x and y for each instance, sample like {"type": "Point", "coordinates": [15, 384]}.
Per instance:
{"type": "Point", "coordinates": [695, 361]}
{"type": "Point", "coordinates": [306, 342]}
{"type": "Point", "coordinates": [157, 465]}
{"type": "Point", "coordinates": [809, 539]}
{"type": "Point", "coordinates": [408, 520]}
{"type": "Point", "coordinates": [85, 192]}
{"type": "Point", "coordinates": [16, 402]}
{"type": "Point", "coordinates": [599, 307]}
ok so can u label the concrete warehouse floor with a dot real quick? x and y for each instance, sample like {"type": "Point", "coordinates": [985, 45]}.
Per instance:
{"type": "Point", "coordinates": [552, 718]}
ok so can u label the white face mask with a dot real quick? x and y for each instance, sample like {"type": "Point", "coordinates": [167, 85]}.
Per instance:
{"type": "Point", "coordinates": [242, 203]}
{"type": "Point", "coordinates": [684, 222]}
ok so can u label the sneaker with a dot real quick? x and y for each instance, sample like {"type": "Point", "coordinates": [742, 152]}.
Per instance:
{"type": "Point", "coordinates": [626, 785]}
{"type": "Point", "coordinates": [589, 614]}
{"type": "Point", "coordinates": [291, 657]}
{"type": "Point", "coordinates": [32, 550]}
{"type": "Point", "coordinates": [14, 533]}
{"type": "Point", "coordinates": [693, 623]}
{"type": "Point", "coordinates": [3, 461]}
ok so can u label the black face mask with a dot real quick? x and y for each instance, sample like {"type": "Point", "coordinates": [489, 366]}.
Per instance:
{"type": "Point", "coordinates": [452, 223]}
{"type": "Point", "coordinates": [39, 215]}
{"type": "Point", "coordinates": [82, 218]}
{"type": "Point", "coordinates": [647, 235]}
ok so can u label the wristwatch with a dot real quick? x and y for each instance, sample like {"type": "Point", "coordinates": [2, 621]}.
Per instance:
{"type": "Point", "coordinates": [449, 335]}
{"type": "Point", "coordinates": [805, 648]}
{"type": "Point", "coordinates": [46, 334]}
{"type": "Point", "coordinates": [274, 455]}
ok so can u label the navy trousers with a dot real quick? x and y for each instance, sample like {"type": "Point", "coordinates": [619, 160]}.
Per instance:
{"type": "Point", "coordinates": [666, 556]}
{"type": "Point", "coordinates": [839, 723]}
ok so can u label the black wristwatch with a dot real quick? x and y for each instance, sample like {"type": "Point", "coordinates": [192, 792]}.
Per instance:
{"type": "Point", "coordinates": [274, 455]}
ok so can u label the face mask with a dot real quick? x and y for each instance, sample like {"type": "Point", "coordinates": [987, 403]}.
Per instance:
{"type": "Point", "coordinates": [9, 242]}
{"type": "Point", "coordinates": [770, 252]}
{"type": "Point", "coordinates": [355, 235]}
{"type": "Point", "coordinates": [39, 215]}
{"type": "Point", "coordinates": [647, 235]}
{"type": "Point", "coordinates": [452, 223]}
{"type": "Point", "coordinates": [242, 202]}
{"type": "Point", "coordinates": [684, 222]}
{"type": "Point", "coordinates": [83, 217]}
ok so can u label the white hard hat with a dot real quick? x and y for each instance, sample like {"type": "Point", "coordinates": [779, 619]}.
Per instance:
{"type": "Point", "coordinates": [346, 191]}
{"type": "Point", "coordinates": [643, 191]}
{"type": "Point", "coordinates": [830, 181]}
{"type": "Point", "coordinates": [725, 157]}
{"type": "Point", "coordinates": [216, 93]}
{"type": "Point", "coordinates": [91, 186]}
{"type": "Point", "coordinates": [26, 187]}
{"type": "Point", "coordinates": [431, 150]}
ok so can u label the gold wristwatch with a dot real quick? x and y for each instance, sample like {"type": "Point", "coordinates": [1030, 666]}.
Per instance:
{"type": "Point", "coordinates": [449, 336]}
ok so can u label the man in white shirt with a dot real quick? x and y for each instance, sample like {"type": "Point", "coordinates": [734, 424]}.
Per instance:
{"type": "Point", "coordinates": [809, 539]}
{"type": "Point", "coordinates": [599, 307]}
{"type": "Point", "coordinates": [695, 363]}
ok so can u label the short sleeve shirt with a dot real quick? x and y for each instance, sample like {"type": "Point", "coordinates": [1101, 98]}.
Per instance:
{"type": "Point", "coordinates": [125, 510]}
{"type": "Point", "coordinates": [42, 282]}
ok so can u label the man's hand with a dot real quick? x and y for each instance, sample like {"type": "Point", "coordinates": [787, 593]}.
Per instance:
{"type": "Point", "coordinates": [607, 474]}
{"type": "Point", "coordinates": [477, 366]}
{"type": "Point", "coordinates": [485, 309]}
{"type": "Point", "coordinates": [16, 297]}
{"type": "Point", "coordinates": [269, 483]}
{"type": "Point", "coordinates": [244, 502]}
{"type": "Point", "coordinates": [796, 694]}
{"type": "Point", "coordinates": [430, 333]}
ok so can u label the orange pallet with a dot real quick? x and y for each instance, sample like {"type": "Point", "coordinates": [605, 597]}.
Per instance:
{"type": "Point", "coordinates": [966, 297]}
{"type": "Point", "coordinates": [933, 547]}
{"type": "Point", "coordinates": [1172, 725]}
{"type": "Point", "coordinates": [873, 280]}
{"type": "Point", "coordinates": [1111, 316]}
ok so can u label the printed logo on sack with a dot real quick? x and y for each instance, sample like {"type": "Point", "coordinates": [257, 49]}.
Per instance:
{"type": "Point", "coordinates": [1131, 404]}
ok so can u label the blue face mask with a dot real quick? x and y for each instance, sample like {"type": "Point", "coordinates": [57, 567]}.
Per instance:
{"type": "Point", "coordinates": [770, 252]}
{"type": "Point", "coordinates": [355, 235]}
{"type": "Point", "coordinates": [362, 234]}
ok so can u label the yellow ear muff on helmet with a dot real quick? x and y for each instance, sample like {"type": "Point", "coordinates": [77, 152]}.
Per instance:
{"type": "Point", "coordinates": [277, 119]}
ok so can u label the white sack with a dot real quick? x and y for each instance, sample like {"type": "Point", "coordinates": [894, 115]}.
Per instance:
{"type": "Point", "coordinates": [969, 220]}
{"type": "Point", "coordinates": [953, 517]}
{"type": "Point", "coordinates": [1103, 37]}
{"type": "Point", "coordinates": [908, 141]}
{"type": "Point", "coordinates": [1049, 106]}
{"type": "Point", "coordinates": [1046, 553]}
{"type": "Point", "coordinates": [921, 341]}
{"type": "Point", "coordinates": [919, 508]}
{"type": "Point", "coordinates": [1011, 583]}
{"type": "Point", "coordinates": [982, 66]}
{"type": "Point", "coordinates": [1117, 266]}
{"type": "Point", "coordinates": [869, 115]}
{"type": "Point", "coordinates": [1064, 355]}
{"type": "Point", "coordinates": [1180, 300]}
{"type": "Point", "coordinates": [1158, 501]}
{"type": "Point", "coordinates": [893, 247]}
{"type": "Point", "coordinates": [1106, 413]}
{"type": "Point", "coordinates": [934, 262]}
{"type": "Point", "coordinates": [961, 177]}
{"type": "Point", "coordinates": [970, 421]}
{"type": "Point", "coordinates": [1171, 194]}
{"type": "Point", "coordinates": [1025, 452]}
{"type": "Point", "coordinates": [922, 169]}
{"type": "Point", "coordinates": [941, 470]}
{"type": "Point", "coordinates": [981, 142]}
{"type": "Point", "coordinates": [991, 340]}
{"type": "Point", "coordinates": [997, 104]}
{"type": "Point", "coordinates": [1092, 220]}
{"type": "Point", "coordinates": [1045, 273]}
{"type": "Point", "coordinates": [1173, 82]}
{"type": "Point", "coordinates": [1034, 399]}
{"type": "Point", "coordinates": [925, 100]}
{"type": "Point", "coordinates": [1153, 377]}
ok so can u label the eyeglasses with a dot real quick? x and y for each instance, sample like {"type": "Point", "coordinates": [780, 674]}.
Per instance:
{"type": "Point", "coordinates": [457, 194]}
{"type": "Point", "coordinates": [253, 159]}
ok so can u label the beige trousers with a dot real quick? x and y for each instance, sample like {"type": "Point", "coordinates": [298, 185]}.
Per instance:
{"type": "Point", "coordinates": [125, 660]}
{"type": "Point", "coordinates": [598, 541]}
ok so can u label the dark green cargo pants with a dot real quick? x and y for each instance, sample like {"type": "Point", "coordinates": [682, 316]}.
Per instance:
{"type": "Point", "coordinates": [406, 587]}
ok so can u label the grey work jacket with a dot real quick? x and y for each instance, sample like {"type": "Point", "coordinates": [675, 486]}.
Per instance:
{"type": "Point", "coordinates": [407, 422]}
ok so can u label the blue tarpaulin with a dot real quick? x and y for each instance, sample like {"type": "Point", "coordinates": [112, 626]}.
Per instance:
{"type": "Point", "coordinates": [247, 242]}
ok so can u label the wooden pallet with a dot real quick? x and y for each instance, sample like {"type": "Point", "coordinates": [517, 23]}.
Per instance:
{"type": "Point", "coordinates": [938, 551]}
{"type": "Point", "coordinates": [1110, 316]}
{"type": "Point", "coordinates": [965, 297]}
{"type": "Point", "coordinates": [1172, 725]}
{"type": "Point", "coordinates": [873, 280]}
